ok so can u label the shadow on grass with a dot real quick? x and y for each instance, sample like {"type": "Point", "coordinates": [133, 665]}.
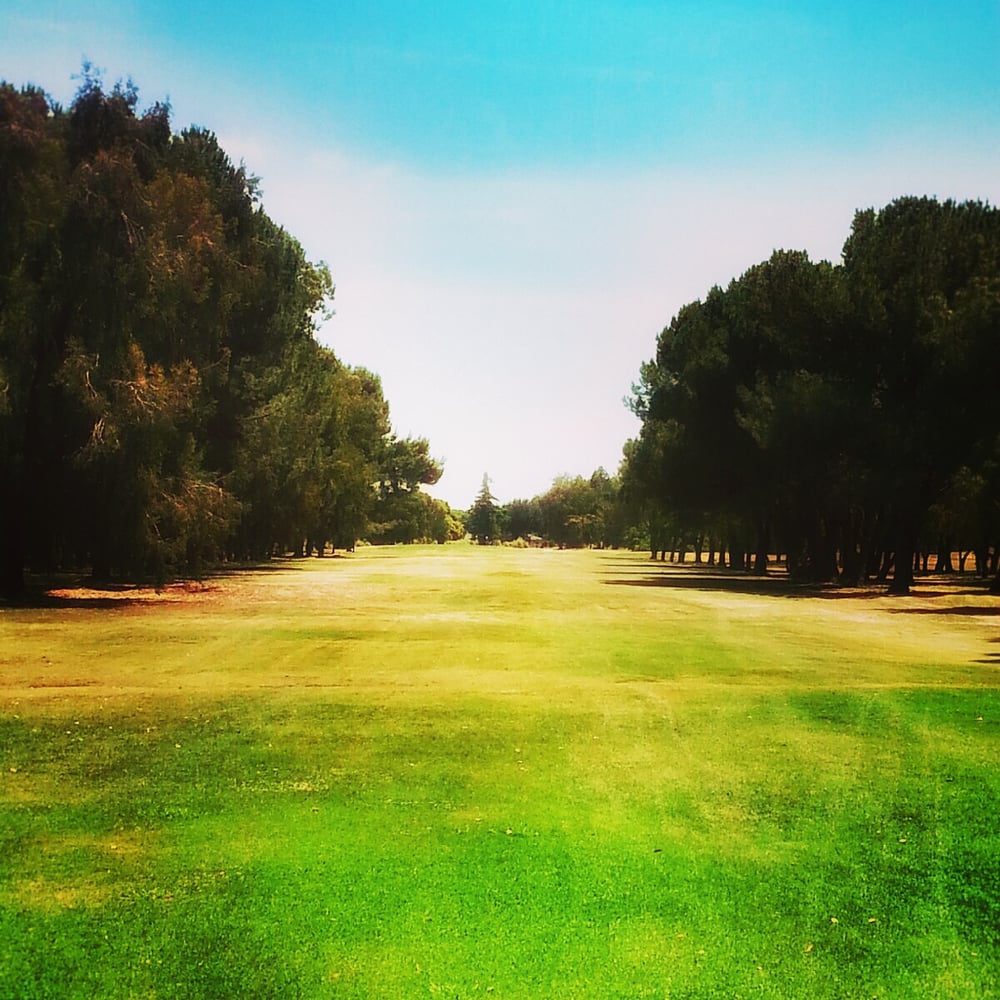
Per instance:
{"type": "Point", "coordinates": [79, 590]}
{"type": "Point", "coordinates": [991, 659]}
{"type": "Point", "coordinates": [777, 583]}
{"type": "Point", "coordinates": [65, 590]}
{"type": "Point", "coordinates": [965, 609]}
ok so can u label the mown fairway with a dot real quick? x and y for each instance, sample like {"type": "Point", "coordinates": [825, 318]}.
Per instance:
{"type": "Point", "coordinates": [468, 772]}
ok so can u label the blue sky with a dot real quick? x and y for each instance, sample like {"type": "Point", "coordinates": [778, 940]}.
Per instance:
{"type": "Point", "coordinates": [515, 198]}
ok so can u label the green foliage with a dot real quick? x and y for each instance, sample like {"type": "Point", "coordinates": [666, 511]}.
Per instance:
{"type": "Point", "coordinates": [573, 513]}
{"type": "Point", "coordinates": [158, 363]}
{"type": "Point", "coordinates": [823, 411]}
{"type": "Point", "coordinates": [521, 519]}
{"type": "Point", "coordinates": [444, 524]}
{"type": "Point", "coordinates": [309, 455]}
{"type": "Point", "coordinates": [401, 513]}
{"type": "Point", "coordinates": [483, 520]}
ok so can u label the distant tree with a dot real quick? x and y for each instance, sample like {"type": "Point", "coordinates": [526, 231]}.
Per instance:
{"type": "Point", "coordinates": [443, 524]}
{"type": "Point", "coordinates": [401, 512]}
{"type": "Point", "coordinates": [574, 511]}
{"type": "Point", "coordinates": [521, 519]}
{"type": "Point", "coordinates": [482, 522]}
{"type": "Point", "coordinates": [567, 512]}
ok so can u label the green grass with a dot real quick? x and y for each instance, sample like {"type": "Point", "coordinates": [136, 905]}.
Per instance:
{"type": "Point", "coordinates": [467, 772]}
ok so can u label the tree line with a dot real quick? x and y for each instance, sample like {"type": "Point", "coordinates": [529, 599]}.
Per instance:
{"type": "Point", "coordinates": [575, 512]}
{"type": "Point", "coordinates": [844, 415]}
{"type": "Point", "coordinates": [164, 402]}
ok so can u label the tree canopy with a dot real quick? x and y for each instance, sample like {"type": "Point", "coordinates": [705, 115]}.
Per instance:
{"type": "Point", "coordinates": [164, 402]}
{"type": "Point", "coordinates": [838, 414]}
{"type": "Point", "coordinates": [575, 512]}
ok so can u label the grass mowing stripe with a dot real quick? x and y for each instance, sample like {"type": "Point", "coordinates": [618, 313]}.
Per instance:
{"type": "Point", "coordinates": [487, 773]}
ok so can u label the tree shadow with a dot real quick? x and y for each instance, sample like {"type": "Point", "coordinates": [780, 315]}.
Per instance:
{"type": "Point", "coordinates": [40, 602]}
{"type": "Point", "coordinates": [972, 610]}
{"type": "Point", "coordinates": [80, 590]}
{"type": "Point", "coordinates": [88, 597]}
{"type": "Point", "coordinates": [777, 583]}
{"type": "Point", "coordinates": [760, 585]}
{"type": "Point", "coordinates": [991, 659]}
{"type": "Point", "coordinates": [674, 576]}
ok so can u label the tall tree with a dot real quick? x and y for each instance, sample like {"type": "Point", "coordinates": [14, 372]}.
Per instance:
{"type": "Point", "coordinates": [401, 511]}
{"type": "Point", "coordinates": [924, 277]}
{"type": "Point", "coordinates": [33, 176]}
{"type": "Point", "coordinates": [158, 357]}
{"type": "Point", "coordinates": [818, 408]}
{"type": "Point", "coordinates": [482, 521]}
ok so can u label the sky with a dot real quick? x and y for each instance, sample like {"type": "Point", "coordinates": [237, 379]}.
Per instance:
{"type": "Point", "coordinates": [515, 198]}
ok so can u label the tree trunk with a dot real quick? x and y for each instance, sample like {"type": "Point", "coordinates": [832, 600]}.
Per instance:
{"type": "Point", "coordinates": [760, 555]}
{"type": "Point", "coordinates": [905, 555]}
{"type": "Point", "coordinates": [944, 563]}
{"type": "Point", "coordinates": [853, 557]}
{"type": "Point", "coordinates": [12, 586]}
{"type": "Point", "coordinates": [100, 567]}
{"type": "Point", "coordinates": [886, 566]}
{"type": "Point", "coordinates": [902, 578]}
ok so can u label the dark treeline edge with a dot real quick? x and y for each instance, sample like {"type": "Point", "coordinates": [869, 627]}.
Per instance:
{"type": "Point", "coordinates": [164, 402]}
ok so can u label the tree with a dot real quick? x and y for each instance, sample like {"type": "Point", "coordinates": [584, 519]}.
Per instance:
{"type": "Point", "coordinates": [159, 362]}
{"type": "Point", "coordinates": [817, 409]}
{"type": "Point", "coordinates": [573, 511]}
{"type": "Point", "coordinates": [796, 400]}
{"type": "Point", "coordinates": [924, 278]}
{"type": "Point", "coordinates": [443, 523]}
{"type": "Point", "coordinates": [33, 175]}
{"type": "Point", "coordinates": [521, 519]}
{"type": "Point", "coordinates": [482, 520]}
{"type": "Point", "coordinates": [402, 513]}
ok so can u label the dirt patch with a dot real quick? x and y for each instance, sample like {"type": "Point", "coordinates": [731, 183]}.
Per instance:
{"type": "Point", "coordinates": [187, 591]}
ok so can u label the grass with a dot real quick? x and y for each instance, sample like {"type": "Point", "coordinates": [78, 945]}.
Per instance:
{"type": "Point", "coordinates": [465, 772]}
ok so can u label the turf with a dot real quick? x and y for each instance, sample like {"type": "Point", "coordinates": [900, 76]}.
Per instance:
{"type": "Point", "coordinates": [470, 772]}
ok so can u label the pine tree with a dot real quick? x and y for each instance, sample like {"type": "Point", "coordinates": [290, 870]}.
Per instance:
{"type": "Point", "coordinates": [482, 523]}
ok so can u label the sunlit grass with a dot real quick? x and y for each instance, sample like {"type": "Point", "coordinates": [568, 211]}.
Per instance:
{"type": "Point", "coordinates": [467, 772]}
